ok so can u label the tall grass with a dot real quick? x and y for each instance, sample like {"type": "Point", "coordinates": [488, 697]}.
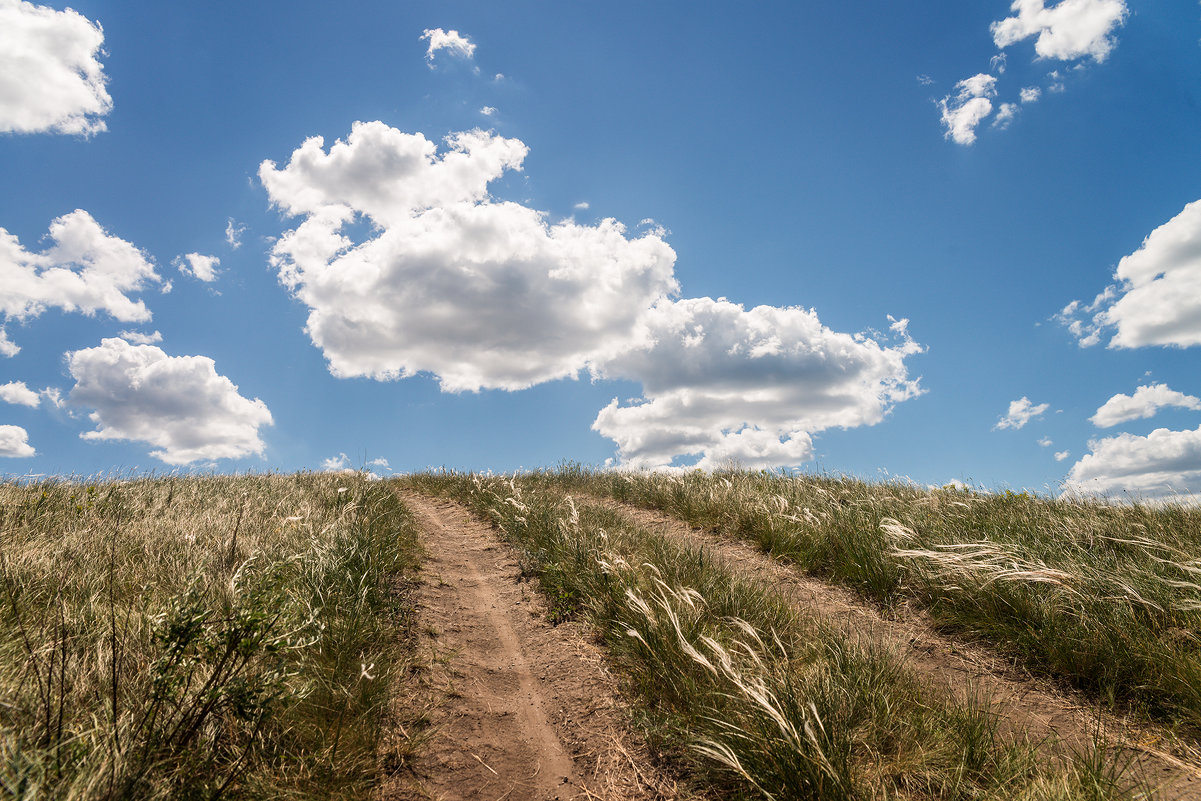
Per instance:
{"type": "Point", "coordinates": [757, 698]}
{"type": "Point", "coordinates": [197, 637]}
{"type": "Point", "coordinates": [1106, 596]}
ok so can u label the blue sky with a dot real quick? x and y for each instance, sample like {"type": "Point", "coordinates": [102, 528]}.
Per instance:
{"type": "Point", "coordinates": [947, 241]}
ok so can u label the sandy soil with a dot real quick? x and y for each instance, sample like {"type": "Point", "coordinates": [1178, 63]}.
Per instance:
{"type": "Point", "coordinates": [516, 708]}
{"type": "Point", "coordinates": [1025, 706]}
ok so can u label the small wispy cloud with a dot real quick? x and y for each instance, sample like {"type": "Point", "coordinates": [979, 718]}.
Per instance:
{"type": "Point", "coordinates": [233, 233]}
{"type": "Point", "coordinates": [487, 111]}
{"type": "Point", "coordinates": [1021, 412]}
{"type": "Point", "coordinates": [454, 43]}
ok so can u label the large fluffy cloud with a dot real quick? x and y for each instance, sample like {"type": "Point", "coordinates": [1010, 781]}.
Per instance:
{"type": "Point", "coordinates": [50, 77]}
{"type": "Point", "coordinates": [967, 108]}
{"type": "Point", "coordinates": [481, 293]}
{"type": "Point", "coordinates": [1068, 30]}
{"type": "Point", "coordinates": [177, 404]}
{"type": "Point", "coordinates": [488, 294]}
{"type": "Point", "coordinates": [85, 270]}
{"type": "Point", "coordinates": [14, 442]}
{"type": "Point", "coordinates": [1144, 403]}
{"type": "Point", "coordinates": [1162, 465]}
{"type": "Point", "coordinates": [1157, 297]}
{"type": "Point", "coordinates": [722, 382]}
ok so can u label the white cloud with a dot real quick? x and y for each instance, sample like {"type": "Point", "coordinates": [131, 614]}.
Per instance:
{"type": "Point", "coordinates": [1162, 465]}
{"type": "Point", "coordinates": [1069, 30]}
{"type": "Point", "coordinates": [998, 63]}
{"type": "Point", "coordinates": [724, 383]}
{"type": "Point", "coordinates": [962, 112]}
{"type": "Point", "coordinates": [1031, 94]}
{"type": "Point", "coordinates": [380, 462]}
{"type": "Point", "coordinates": [199, 266]}
{"type": "Point", "coordinates": [1061, 455]}
{"type": "Point", "coordinates": [1045, 442]}
{"type": "Point", "coordinates": [14, 442]}
{"type": "Point", "coordinates": [16, 392]}
{"type": "Point", "coordinates": [583, 205]}
{"type": "Point", "coordinates": [481, 293]}
{"type": "Point", "coordinates": [1021, 411]}
{"type": "Point", "coordinates": [1005, 115]}
{"type": "Point", "coordinates": [140, 338]}
{"type": "Point", "coordinates": [1145, 402]}
{"type": "Point", "coordinates": [487, 111]}
{"type": "Point", "coordinates": [336, 464]}
{"type": "Point", "coordinates": [450, 41]}
{"type": "Point", "coordinates": [233, 233]}
{"type": "Point", "coordinates": [177, 404]}
{"type": "Point", "coordinates": [1157, 297]}
{"type": "Point", "coordinates": [925, 80]}
{"type": "Point", "coordinates": [489, 294]}
{"type": "Point", "coordinates": [50, 78]}
{"type": "Point", "coordinates": [86, 270]}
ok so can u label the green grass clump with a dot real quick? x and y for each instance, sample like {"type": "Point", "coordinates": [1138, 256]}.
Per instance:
{"type": "Point", "coordinates": [754, 696]}
{"type": "Point", "coordinates": [1107, 596]}
{"type": "Point", "coordinates": [198, 637]}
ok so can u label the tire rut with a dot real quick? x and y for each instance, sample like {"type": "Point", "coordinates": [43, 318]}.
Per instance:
{"type": "Point", "coordinates": [516, 708]}
{"type": "Point", "coordinates": [1025, 707]}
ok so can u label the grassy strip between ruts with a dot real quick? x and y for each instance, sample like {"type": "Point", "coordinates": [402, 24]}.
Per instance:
{"type": "Point", "coordinates": [1107, 596]}
{"type": "Point", "coordinates": [758, 699]}
{"type": "Point", "coordinates": [199, 637]}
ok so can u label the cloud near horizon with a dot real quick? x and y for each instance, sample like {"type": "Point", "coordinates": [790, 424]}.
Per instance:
{"type": "Point", "coordinates": [724, 383]}
{"type": "Point", "coordinates": [490, 294]}
{"type": "Point", "coordinates": [1164, 465]}
{"type": "Point", "coordinates": [86, 270]}
{"type": "Point", "coordinates": [1145, 402]}
{"type": "Point", "coordinates": [179, 405]}
{"type": "Point", "coordinates": [50, 77]}
{"type": "Point", "coordinates": [14, 442]}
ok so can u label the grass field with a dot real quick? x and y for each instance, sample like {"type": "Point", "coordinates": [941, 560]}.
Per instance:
{"type": "Point", "coordinates": [215, 636]}
{"type": "Point", "coordinates": [198, 637]}
{"type": "Point", "coordinates": [1106, 596]}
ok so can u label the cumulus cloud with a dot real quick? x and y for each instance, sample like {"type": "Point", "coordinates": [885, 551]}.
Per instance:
{"type": "Point", "coordinates": [14, 442]}
{"type": "Point", "coordinates": [50, 77]}
{"type": "Point", "coordinates": [1045, 442]}
{"type": "Point", "coordinates": [484, 294]}
{"type": "Point", "coordinates": [1031, 94]}
{"type": "Point", "coordinates": [199, 266]}
{"type": "Point", "coordinates": [488, 294]}
{"type": "Point", "coordinates": [967, 108]}
{"type": "Point", "coordinates": [85, 270]}
{"type": "Point", "coordinates": [177, 404]}
{"type": "Point", "coordinates": [451, 41]}
{"type": "Point", "coordinates": [1162, 465]}
{"type": "Point", "coordinates": [1069, 30]}
{"type": "Point", "coordinates": [722, 382]}
{"type": "Point", "coordinates": [1145, 402]}
{"type": "Point", "coordinates": [1021, 411]}
{"type": "Point", "coordinates": [487, 111]}
{"type": "Point", "coordinates": [1156, 297]}
{"type": "Point", "coordinates": [336, 464]}
{"type": "Point", "coordinates": [17, 393]}
{"type": "Point", "coordinates": [1061, 455]}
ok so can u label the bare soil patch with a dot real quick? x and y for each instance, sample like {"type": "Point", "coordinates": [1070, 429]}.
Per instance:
{"type": "Point", "coordinates": [511, 706]}
{"type": "Point", "coordinates": [1025, 706]}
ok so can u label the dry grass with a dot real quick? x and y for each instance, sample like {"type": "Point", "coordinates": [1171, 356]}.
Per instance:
{"type": "Point", "coordinates": [1106, 596]}
{"type": "Point", "coordinates": [197, 637]}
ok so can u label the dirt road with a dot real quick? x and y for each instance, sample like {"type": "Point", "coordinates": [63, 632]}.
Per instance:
{"type": "Point", "coordinates": [516, 708]}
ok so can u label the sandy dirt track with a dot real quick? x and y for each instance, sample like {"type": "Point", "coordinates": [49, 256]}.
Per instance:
{"type": "Point", "coordinates": [1026, 707]}
{"type": "Point", "coordinates": [516, 708]}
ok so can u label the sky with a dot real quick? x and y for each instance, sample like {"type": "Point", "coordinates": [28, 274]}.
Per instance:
{"type": "Point", "coordinates": [942, 242]}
